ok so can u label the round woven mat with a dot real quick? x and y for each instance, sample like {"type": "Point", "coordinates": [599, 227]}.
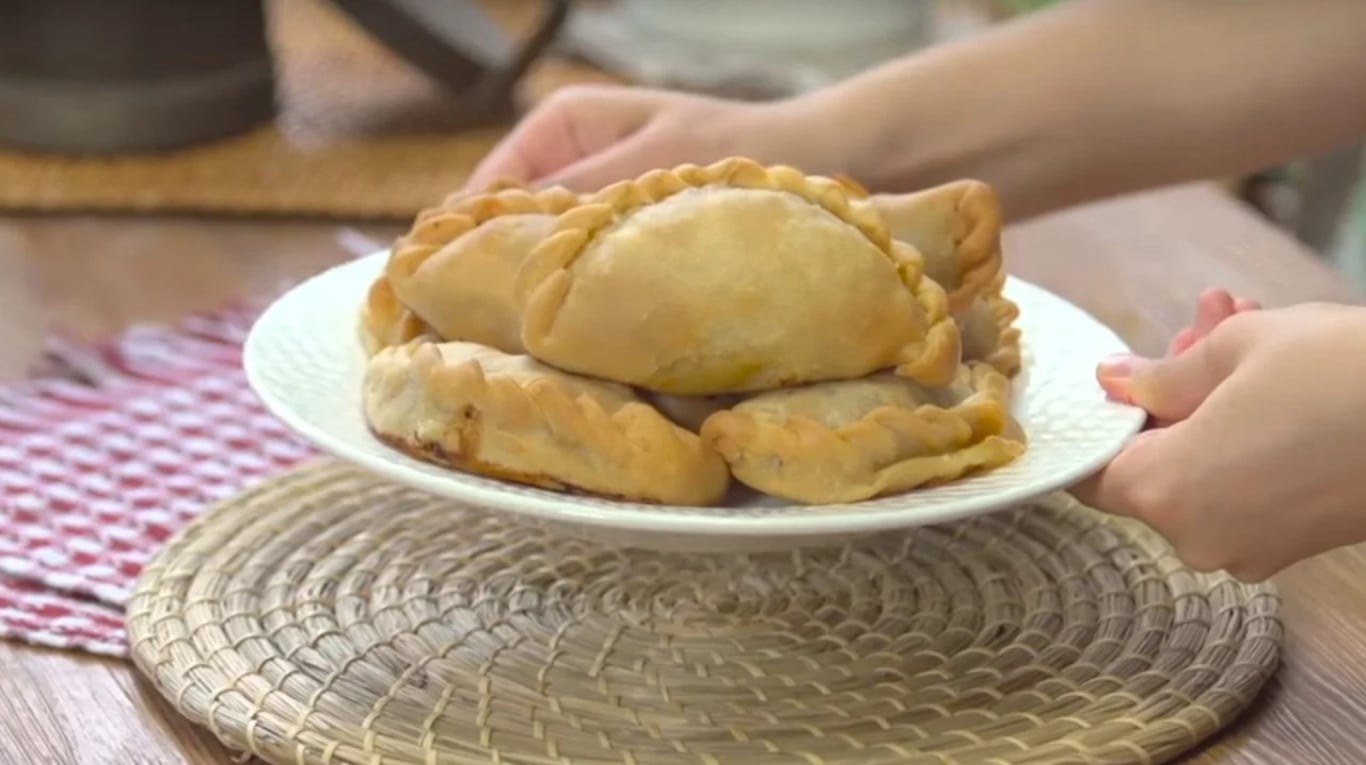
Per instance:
{"type": "Point", "coordinates": [327, 616]}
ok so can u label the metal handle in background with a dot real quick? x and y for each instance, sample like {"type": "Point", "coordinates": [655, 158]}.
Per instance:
{"type": "Point", "coordinates": [459, 46]}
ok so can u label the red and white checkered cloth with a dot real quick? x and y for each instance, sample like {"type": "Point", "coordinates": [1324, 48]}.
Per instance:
{"type": "Point", "coordinates": [105, 458]}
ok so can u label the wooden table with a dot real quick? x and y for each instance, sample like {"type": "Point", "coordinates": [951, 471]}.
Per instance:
{"type": "Point", "coordinates": [1137, 263]}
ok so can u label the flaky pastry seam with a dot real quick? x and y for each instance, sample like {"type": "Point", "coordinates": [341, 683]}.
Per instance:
{"type": "Point", "coordinates": [635, 434]}
{"type": "Point", "coordinates": [375, 333]}
{"type": "Point", "coordinates": [974, 426]}
{"type": "Point", "coordinates": [437, 227]}
{"type": "Point", "coordinates": [578, 226]}
{"type": "Point", "coordinates": [975, 233]}
{"type": "Point", "coordinates": [978, 241]}
{"type": "Point", "coordinates": [933, 359]}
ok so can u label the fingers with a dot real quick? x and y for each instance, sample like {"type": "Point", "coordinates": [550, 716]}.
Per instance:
{"type": "Point", "coordinates": [1171, 388]}
{"type": "Point", "coordinates": [1212, 307]}
{"type": "Point", "coordinates": [538, 140]}
{"type": "Point", "coordinates": [1151, 481]}
{"type": "Point", "coordinates": [1182, 341]}
{"type": "Point", "coordinates": [574, 123]}
{"type": "Point", "coordinates": [625, 159]}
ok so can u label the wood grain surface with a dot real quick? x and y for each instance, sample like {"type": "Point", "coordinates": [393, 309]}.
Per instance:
{"type": "Point", "coordinates": [1136, 263]}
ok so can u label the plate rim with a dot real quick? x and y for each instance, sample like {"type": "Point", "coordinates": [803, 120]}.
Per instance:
{"type": "Point", "coordinates": [826, 519]}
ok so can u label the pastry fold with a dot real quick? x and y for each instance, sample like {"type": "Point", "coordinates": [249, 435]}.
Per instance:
{"type": "Point", "coordinates": [853, 440]}
{"type": "Point", "coordinates": [988, 329]}
{"type": "Point", "coordinates": [957, 229]}
{"type": "Point", "coordinates": [731, 278]}
{"type": "Point", "coordinates": [505, 416]}
{"type": "Point", "coordinates": [454, 268]}
{"type": "Point", "coordinates": [385, 321]}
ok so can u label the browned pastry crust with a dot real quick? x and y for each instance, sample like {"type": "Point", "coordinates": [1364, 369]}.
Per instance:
{"type": "Point", "coordinates": [384, 321]}
{"type": "Point", "coordinates": [855, 189]}
{"type": "Point", "coordinates": [852, 440]}
{"type": "Point", "coordinates": [483, 411]}
{"type": "Point", "coordinates": [731, 278]}
{"type": "Point", "coordinates": [454, 269]}
{"type": "Point", "coordinates": [957, 227]}
{"type": "Point", "coordinates": [457, 198]}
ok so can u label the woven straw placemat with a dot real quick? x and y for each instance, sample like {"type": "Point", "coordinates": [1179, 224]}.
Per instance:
{"type": "Point", "coordinates": [360, 134]}
{"type": "Point", "coordinates": [330, 617]}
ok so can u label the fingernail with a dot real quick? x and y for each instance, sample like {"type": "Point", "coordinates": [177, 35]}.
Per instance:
{"type": "Point", "coordinates": [1120, 365]}
{"type": "Point", "coordinates": [1117, 389]}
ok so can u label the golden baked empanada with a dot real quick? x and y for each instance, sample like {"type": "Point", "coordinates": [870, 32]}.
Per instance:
{"type": "Point", "coordinates": [384, 321]}
{"type": "Point", "coordinates": [731, 278]}
{"type": "Point", "coordinates": [475, 408]}
{"type": "Point", "coordinates": [454, 269]}
{"type": "Point", "coordinates": [956, 227]}
{"type": "Point", "coordinates": [988, 329]}
{"type": "Point", "coordinates": [852, 440]}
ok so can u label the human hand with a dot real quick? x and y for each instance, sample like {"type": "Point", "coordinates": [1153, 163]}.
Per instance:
{"type": "Point", "coordinates": [1255, 464]}
{"type": "Point", "coordinates": [1213, 306]}
{"type": "Point", "coordinates": [586, 137]}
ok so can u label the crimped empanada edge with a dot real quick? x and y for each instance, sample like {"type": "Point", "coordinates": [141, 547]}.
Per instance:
{"type": "Point", "coordinates": [377, 334]}
{"type": "Point", "coordinates": [743, 439]}
{"type": "Point", "coordinates": [436, 227]}
{"type": "Point", "coordinates": [653, 440]}
{"type": "Point", "coordinates": [1008, 354]}
{"type": "Point", "coordinates": [975, 231]}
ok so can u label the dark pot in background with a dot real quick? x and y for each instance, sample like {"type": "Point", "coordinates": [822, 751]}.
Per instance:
{"type": "Point", "coordinates": [106, 76]}
{"type": "Point", "coordinates": [99, 76]}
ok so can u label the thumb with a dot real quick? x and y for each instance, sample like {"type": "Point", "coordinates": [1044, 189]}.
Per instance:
{"type": "Point", "coordinates": [1128, 485]}
{"type": "Point", "coordinates": [1148, 479]}
{"type": "Point", "coordinates": [1169, 389]}
{"type": "Point", "coordinates": [625, 159]}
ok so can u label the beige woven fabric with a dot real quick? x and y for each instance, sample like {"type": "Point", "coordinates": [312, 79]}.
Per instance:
{"type": "Point", "coordinates": [330, 617]}
{"type": "Point", "coordinates": [360, 134]}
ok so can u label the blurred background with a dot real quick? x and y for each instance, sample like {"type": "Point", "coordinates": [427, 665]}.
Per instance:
{"type": "Point", "coordinates": [375, 108]}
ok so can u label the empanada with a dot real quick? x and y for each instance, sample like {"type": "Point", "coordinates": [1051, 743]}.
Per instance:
{"type": "Point", "coordinates": [956, 227]}
{"type": "Point", "coordinates": [384, 321]}
{"type": "Point", "coordinates": [454, 269]}
{"type": "Point", "coordinates": [988, 329]}
{"type": "Point", "coordinates": [731, 278]}
{"type": "Point", "coordinates": [853, 440]}
{"type": "Point", "coordinates": [460, 196]}
{"type": "Point", "coordinates": [508, 416]}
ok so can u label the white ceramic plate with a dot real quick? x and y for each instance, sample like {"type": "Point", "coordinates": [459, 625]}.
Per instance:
{"type": "Point", "coordinates": [304, 358]}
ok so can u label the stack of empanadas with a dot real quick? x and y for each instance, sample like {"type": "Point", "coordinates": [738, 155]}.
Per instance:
{"type": "Point", "coordinates": [665, 335]}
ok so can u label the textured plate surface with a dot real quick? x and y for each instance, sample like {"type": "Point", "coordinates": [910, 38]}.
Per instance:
{"type": "Point", "coordinates": [305, 360]}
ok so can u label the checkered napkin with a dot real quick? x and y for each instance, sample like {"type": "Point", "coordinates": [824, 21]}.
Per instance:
{"type": "Point", "coordinates": [107, 455]}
